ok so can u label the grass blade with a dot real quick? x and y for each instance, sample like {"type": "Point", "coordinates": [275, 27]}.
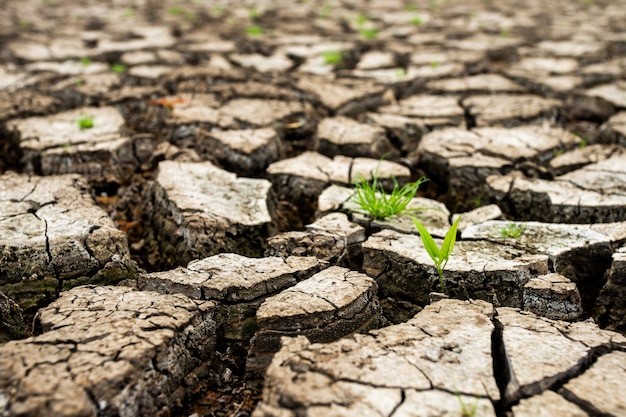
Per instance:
{"type": "Point", "coordinates": [429, 244]}
{"type": "Point", "coordinates": [448, 241]}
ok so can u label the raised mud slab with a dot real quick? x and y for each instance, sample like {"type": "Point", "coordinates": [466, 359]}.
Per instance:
{"type": "Point", "coordinates": [200, 210]}
{"type": "Point", "coordinates": [109, 351]}
{"type": "Point", "coordinates": [52, 235]}
{"type": "Point", "coordinates": [442, 362]}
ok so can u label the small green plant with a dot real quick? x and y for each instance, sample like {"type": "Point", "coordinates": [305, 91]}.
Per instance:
{"type": "Point", "coordinates": [24, 24]}
{"type": "Point", "coordinates": [434, 64]}
{"type": "Point", "coordinates": [85, 121]}
{"type": "Point", "coordinates": [254, 30]}
{"type": "Point", "coordinates": [129, 13]}
{"type": "Point", "coordinates": [439, 255]}
{"type": "Point", "coordinates": [118, 68]}
{"type": "Point", "coordinates": [361, 19]}
{"type": "Point", "coordinates": [400, 73]}
{"type": "Point", "coordinates": [371, 196]}
{"type": "Point", "coordinates": [85, 62]}
{"type": "Point", "coordinates": [254, 13]}
{"type": "Point", "coordinates": [332, 57]}
{"type": "Point", "coordinates": [505, 33]}
{"type": "Point", "coordinates": [325, 12]}
{"type": "Point", "coordinates": [467, 411]}
{"type": "Point", "coordinates": [176, 11]}
{"type": "Point", "coordinates": [217, 10]}
{"type": "Point", "coordinates": [410, 7]}
{"type": "Point", "coordinates": [583, 143]}
{"type": "Point", "coordinates": [369, 33]}
{"type": "Point", "coordinates": [416, 21]}
{"type": "Point", "coordinates": [512, 230]}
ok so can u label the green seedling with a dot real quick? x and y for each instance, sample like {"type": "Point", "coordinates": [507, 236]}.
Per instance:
{"type": "Point", "coordinates": [467, 410]}
{"type": "Point", "coordinates": [439, 255]}
{"type": "Point", "coordinates": [254, 30]}
{"type": "Point", "coordinates": [332, 57]}
{"type": "Point", "coordinates": [434, 64]}
{"type": "Point", "coordinates": [400, 73]}
{"type": "Point", "coordinates": [217, 10]}
{"type": "Point", "coordinates": [505, 33]}
{"type": "Point", "coordinates": [325, 12]}
{"type": "Point", "coordinates": [361, 19]}
{"type": "Point", "coordinates": [369, 33]}
{"type": "Point", "coordinates": [85, 62]}
{"type": "Point", "coordinates": [85, 122]}
{"type": "Point", "coordinates": [416, 21]}
{"type": "Point", "coordinates": [24, 24]}
{"type": "Point", "coordinates": [371, 197]}
{"type": "Point", "coordinates": [583, 143]}
{"type": "Point", "coordinates": [176, 11]}
{"type": "Point", "coordinates": [118, 68]}
{"type": "Point", "coordinates": [128, 12]}
{"type": "Point", "coordinates": [512, 230]}
{"type": "Point", "coordinates": [410, 7]}
{"type": "Point", "coordinates": [254, 14]}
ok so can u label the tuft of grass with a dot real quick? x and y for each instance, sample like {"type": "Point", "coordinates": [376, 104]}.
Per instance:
{"type": "Point", "coordinates": [400, 73]}
{"type": "Point", "coordinates": [176, 11]}
{"type": "Point", "coordinates": [118, 68]}
{"type": "Point", "coordinates": [128, 12]}
{"type": "Point", "coordinates": [416, 21]}
{"type": "Point", "coordinates": [434, 64]}
{"type": "Point", "coordinates": [505, 33]}
{"type": "Point", "coordinates": [332, 57]}
{"type": "Point", "coordinates": [371, 197]}
{"type": "Point", "coordinates": [583, 143]}
{"type": "Point", "coordinates": [369, 33]}
{"type": "Point", "coordinates": [439, 255]}
{"type": "Point", "coordinates": [254, 30]}
{"type": "Point", "coordinates": [325, 12]}
{"type": "Point", "coordinates": [254, 14]}
{"type": "Point", "coordinates": [85, 121]}
{"type": "Point", "coordinates": [85, 62]}
{"type": "Point", "coordinates": [361, 19]}
{"type": "Point", "coordinates": [512, 230]}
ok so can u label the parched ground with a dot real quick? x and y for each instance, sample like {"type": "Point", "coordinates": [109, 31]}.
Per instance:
{"type": "Point", "coordinates": [178, 233]}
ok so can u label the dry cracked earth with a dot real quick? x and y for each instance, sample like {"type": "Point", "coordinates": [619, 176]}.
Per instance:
{"type": "Point", "coordinates": [178, 234]}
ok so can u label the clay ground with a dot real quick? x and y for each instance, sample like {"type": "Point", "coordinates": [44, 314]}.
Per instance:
{"type": "Point", "coordinates": [175, 196]}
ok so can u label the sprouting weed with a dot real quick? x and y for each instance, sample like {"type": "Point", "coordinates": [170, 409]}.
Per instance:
{"type": "Point", "coordinates": [254, 14]}
{"type": "Point", "coordinates": [332, 57]}
{"type": "Point", "coordinates": [369, 33]}
{"type": "Point", "coordinates": [176, 11]}
{"type": "Point", "coordinates": [512, 230]}
{"type": "Point", "coordinates": [85, 121]}
{"type": "Point", "coordinates": [85, 62]}
{"type": "Point", "coordinates": [361, 19]}
{"type": "Point", "coordinates": [254, 30]}
{"type": "Point", "coordinates": [118, 68]}
{"type": "Point", "coordinates": [325, 12]}
{"type": "Point", "coordinates": [434, 64]}
{"type": "Point", "coordinates": [583, 143]}
{"type": "Point", "coordinates": [439, 255]}
{"type": "Point", "coordinates": [400, 73]}
{"type": "Point", "coordinates": [416, 21]}
{"type": "Point", "coordinates": [371, 197]}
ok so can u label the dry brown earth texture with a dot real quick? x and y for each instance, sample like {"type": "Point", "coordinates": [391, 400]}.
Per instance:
{"type": "Point", "coordinates": [180, 232]}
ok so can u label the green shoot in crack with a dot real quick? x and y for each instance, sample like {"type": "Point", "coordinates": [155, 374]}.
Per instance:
{"type": "Point", "coordinates": [372, 199]}
{"type": "Point", "coordinates": [439, 255]}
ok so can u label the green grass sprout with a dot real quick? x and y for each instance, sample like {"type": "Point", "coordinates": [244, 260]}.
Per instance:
{"type": "Point", "coordinates": [439, 255]}
{"type": "Point", "coordinates": [85, 62]}
{"type": "Point", "coordinates": [254, 30]}
{"type": "Point", "coordinates": [332, 57]}
{"type": "Point", "coordinates": [371, 196]}
{"type": "Point", "coordinates": [118, 68]}
{"type": "Point", "coordinates": [369, 33]}
{"type": "Point", "coordinates": [85, 121]}
{"type": "Point", "coordinates": [512, 230]}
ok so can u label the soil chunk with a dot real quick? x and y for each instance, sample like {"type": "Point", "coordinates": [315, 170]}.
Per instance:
{"type": "Point", "coordinates": [52, 234]}
{"type": "Point", "coordinates": [199, 210]}
{"type": "Point", "coordinates": [109, 351]}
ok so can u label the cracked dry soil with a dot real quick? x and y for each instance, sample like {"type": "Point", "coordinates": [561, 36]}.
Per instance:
{"type": "Point", "coordinates": [196, 251]}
